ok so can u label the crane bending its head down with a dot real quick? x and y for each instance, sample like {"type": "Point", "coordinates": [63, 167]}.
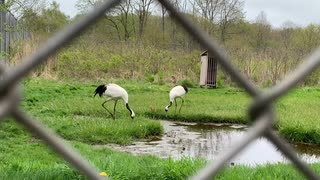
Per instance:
{"type": "Point", "coordinates": [114, 92]}
{"type": "Point", "coordinates": [177, 92]}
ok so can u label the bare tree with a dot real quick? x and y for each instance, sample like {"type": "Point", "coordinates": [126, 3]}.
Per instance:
{"type": "Point", "coordinates": [286, 36]}
{"type": "Point", "coordinates": [262, 32]}
{"type": "Point", "coordinates": [142, 8]}
{"type": "Point", "coordinates": [208, 10]}
{"type": "Point", "coordinates": [18, 7]}
{"type": "Point", "coordinates": [163, 13]}
{"type": "Point", "coordinates": [287, 33]}
{"type": "Point", "coordinates": [182, 6]}
{"type": "Point", "coordinates": [124, 15]}
{"type": "Point", "coordinates": [83, 6]}
{"type": "Point", "coordinates": [120, 17]}
{"type": "Point", "coordinates": [176, 4]}
{"type": "Point", "coordinates": [230, 13]}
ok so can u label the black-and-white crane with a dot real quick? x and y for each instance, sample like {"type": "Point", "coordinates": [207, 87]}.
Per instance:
{"type": "Point", "coordinates": [177, 92]}
{"type": "Point", "coordinates": [114, 92]}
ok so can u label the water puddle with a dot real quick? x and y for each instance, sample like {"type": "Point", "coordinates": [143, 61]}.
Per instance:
{"type": "Point", "coordinates": [208, 140]}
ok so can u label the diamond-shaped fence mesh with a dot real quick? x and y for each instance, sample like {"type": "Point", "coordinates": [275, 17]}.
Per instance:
{"type": "Point", "coordinates": [261, 111]}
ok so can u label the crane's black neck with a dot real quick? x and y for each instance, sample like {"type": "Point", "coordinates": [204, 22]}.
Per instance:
{"type": "Point", "coordinates": [127, 106]}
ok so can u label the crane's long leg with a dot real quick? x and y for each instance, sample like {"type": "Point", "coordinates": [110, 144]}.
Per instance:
{"type": "Point", "coordinates": [114, 109]}
{"type": "Point", "coordinates": [175, 103]}
{"type": "Point", "coordinates": [108, 99]}
{"type": "Point", "coordinates": [181, 103]}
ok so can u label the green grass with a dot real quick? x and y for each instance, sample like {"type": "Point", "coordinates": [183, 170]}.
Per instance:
{"type": "Point", "coordinates": [70, 109]}
{"type": "Point", "coordinates": [35, 161]}
{"type": "Point", "coordinates": [298, 115]}
{"type": "Point", "coordinates": [73, 113]}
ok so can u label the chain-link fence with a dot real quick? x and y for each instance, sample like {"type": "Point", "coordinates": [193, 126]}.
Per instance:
{"type": "Point", "coordinates": [260, 111]}
{"type": "Point", "coordinates": [10, 31]}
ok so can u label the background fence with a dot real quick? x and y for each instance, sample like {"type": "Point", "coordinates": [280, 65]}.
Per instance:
{"type": "Point", "coordinates": [10, 31]}
{"type": "Point", "coordinates": [261, 111]}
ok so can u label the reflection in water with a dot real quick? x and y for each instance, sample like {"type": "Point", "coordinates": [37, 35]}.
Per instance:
{"type": "Point", "coordinates": [208, 140]}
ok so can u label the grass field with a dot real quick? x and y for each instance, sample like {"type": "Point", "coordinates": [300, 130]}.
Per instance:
{"type": "Point", "coordinates": [71, 110]}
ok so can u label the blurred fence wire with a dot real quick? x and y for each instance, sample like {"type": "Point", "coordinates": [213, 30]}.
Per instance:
{"type": "Point", "coordinates": [260, 111]}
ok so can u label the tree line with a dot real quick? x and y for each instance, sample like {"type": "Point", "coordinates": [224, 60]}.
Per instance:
{"type": "Point", "coordinates": [263, 53]}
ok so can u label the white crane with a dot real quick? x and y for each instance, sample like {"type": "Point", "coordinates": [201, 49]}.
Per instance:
{"type": "Point", "coordinates": [114, 92]}
{"type": "Point", "coordinates": [177, 92]}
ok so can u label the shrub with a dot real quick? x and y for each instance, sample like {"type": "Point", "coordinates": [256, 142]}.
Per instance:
{"type": "Point", "coordinates": [149, 78]}
{"type": "Point", "coordinates": [188, 83]}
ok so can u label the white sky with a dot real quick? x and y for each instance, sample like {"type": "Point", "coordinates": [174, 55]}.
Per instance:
{"type": "Point", "coordinates": [300, 12]}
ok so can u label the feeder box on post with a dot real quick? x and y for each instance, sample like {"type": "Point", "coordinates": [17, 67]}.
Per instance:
{"type": "Point", "coordinates": [208, 71]}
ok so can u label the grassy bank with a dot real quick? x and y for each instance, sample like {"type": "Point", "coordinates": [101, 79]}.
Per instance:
{"type": "Point", "coordinates": [35, 161]}
{"type": "Point", "coordinates": [75, 106]}
{"type": "Point", "coordinates": [23, 157]}
{"type": "Point", "coordinates": [72, 111]}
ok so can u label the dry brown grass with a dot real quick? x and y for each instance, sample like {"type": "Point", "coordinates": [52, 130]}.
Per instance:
{"type": "Point", "coordinates": [26, 48]}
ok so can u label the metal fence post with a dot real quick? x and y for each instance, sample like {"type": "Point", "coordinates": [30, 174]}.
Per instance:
{"type": "Point", "coordinates": [2, 27]}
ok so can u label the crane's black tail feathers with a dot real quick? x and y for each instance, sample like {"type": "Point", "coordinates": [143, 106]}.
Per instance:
{"type": "Point", "coordinates": [100, 90]}
{"type": "Point", "coordinates": [185, 88]}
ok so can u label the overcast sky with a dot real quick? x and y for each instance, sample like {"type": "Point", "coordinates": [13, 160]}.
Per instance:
{"type": "Point", "coordinates": [278, 11]}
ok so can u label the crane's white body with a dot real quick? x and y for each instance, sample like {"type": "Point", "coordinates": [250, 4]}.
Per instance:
{"type": "Point", "coordinates": [176, 92]}
{"type": "Point", "coordinates": [116, 92]}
